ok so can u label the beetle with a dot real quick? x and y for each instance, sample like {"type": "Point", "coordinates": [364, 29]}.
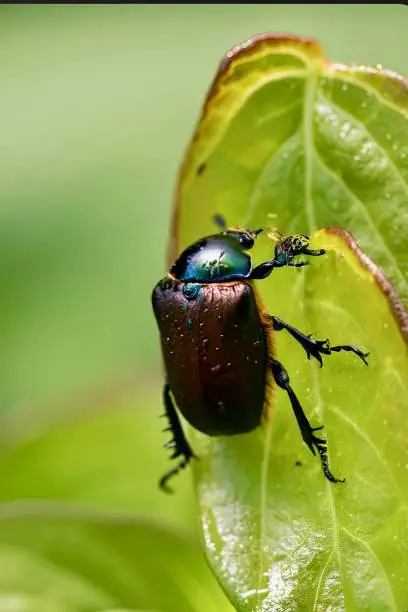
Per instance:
{"type": "Point", "coordinates": [217, 341]}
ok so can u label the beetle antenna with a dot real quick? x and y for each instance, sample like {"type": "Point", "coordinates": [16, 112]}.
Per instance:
{"type": "Point", "coordinates": [219, 220]}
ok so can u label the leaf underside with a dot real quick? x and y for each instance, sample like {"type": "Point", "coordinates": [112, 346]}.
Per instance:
{"type": "Point", "coordinates": [288, 140]}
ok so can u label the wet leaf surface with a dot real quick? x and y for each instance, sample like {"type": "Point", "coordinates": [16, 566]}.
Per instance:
{"type": "Point", "coordinates": [288, 140]}
{"type": "Point", "coordinates": [285, 132]}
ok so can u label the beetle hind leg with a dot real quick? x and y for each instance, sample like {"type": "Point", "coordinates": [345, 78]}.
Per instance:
{"type": "Point", "coordinates": [315, 348]}
{"type": "Point", "coordinates": [178, 442]}
{"type": "Point", "coordinates": [308, 432]}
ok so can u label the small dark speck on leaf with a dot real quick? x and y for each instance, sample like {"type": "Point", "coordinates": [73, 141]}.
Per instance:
{"type": "Point", "coordinates": [201, 169]}
{"type": "Point", "coordinates": [298, 463]}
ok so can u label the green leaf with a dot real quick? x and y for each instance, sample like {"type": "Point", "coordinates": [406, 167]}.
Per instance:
{"type": "Point", "coordinates": [83, 525]}
{"type": "Point", "coordinates": [60, 558]}
{"type": "Point", "coordinates": [277, 534]}
{"type": "Point", "coordinates": [94, 456]}
{"type": "Point", "coordinates": [283, 132]}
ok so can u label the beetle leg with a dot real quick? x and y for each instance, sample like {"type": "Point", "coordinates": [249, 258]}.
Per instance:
{"type": "Point", "coordinates": [285, 250]}
{"type": "Point", "coordinates": [298, 264]}
{"type": "Point", "coordinates": [315, 348]}
{"type": "Point", "coordinates": [313, 252]}
{"type": "Point", "coordinates": [313, 442]}
{"type": "Point", "coordinates": [264, 269]}
{"type": "Point", "coordinates": [178, 443]}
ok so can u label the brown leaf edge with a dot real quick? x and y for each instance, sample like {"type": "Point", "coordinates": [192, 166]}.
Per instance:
{"type": "Point", "coordinates": [312, 48]}
{"type": "Point", "coordinates": [396, 306]}
{"type": "Point", "coordinates": [245, 49]}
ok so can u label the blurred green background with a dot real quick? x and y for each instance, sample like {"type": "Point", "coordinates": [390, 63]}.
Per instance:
{"type": "Point", "coordinates": [97, 106]}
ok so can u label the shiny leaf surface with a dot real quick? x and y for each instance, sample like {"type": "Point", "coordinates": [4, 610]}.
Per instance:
{"type": "Point", "coordinates": [290, 140]}
{"type": "Point", "coordinates": [284, 132]}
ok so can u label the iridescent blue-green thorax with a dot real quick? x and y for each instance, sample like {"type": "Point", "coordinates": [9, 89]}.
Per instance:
{"type": "Point", "coordinates": [213, 259]}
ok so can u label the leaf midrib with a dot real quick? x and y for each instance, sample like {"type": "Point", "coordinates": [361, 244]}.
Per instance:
{"type": "Point", "coordinates": [308, 107]}
{"type": "Point", "coordinates": [309, 147]}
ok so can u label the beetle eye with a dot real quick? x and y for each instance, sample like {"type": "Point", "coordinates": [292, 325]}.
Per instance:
{"type": "Point", "coordinates": [247, 241]}
{"type": "Point", "coordinates": [247, 238]}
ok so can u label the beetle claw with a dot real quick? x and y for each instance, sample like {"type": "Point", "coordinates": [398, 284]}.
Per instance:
{"type": "Point", "coordinates": [170, 444]}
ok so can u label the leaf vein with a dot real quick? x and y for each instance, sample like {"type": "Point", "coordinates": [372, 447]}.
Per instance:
{"type": "Point", "coordinates": [336, 410]}
{"type": "Point", "coordinates": [370, 551]}
{"type": "Point", "coordinates": [320, 580]}
{"type": "Point", "coordinates": [310, 93]}
{"type": "Point", "coordinates": [369, 89]}
{"type": "Point", "coordinates": [252, 200]}
{"type": "Point", "coordinates": [328, 485]}
{"type": "Point", "coordinates": [369, 217]}
{"type": "Point", "coordinates": [364, 127]}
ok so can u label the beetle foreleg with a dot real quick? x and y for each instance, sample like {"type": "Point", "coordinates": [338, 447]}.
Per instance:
{"type": "Point", "coordinates": [313, 442]}
{"type": "Point", "coordinates": [263, 270]}
{"type": "Point", "coordinates": [298, 264]}
{"type": "Point", "coordinates": [178, 443]}
{"type": "Point", "coordinates": [315, 348]}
